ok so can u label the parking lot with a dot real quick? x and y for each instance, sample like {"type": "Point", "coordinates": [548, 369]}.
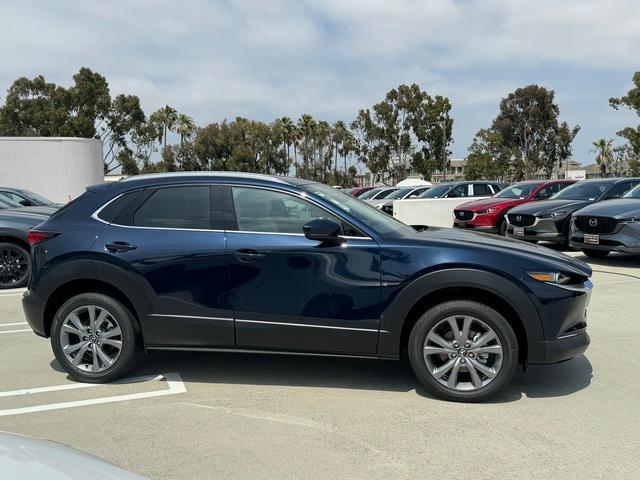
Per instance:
{"type": "Point", "coordinates": [188, 415]}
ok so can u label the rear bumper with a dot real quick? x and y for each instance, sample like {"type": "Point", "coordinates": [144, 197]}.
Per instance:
{"type": "Point", "coordinates": [34, 312]}
{"type": "Point", "coordinates": [562, 349]}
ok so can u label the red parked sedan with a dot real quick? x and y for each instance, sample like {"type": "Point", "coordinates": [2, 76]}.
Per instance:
{"type": "Point", "coordinates": [487, 215]}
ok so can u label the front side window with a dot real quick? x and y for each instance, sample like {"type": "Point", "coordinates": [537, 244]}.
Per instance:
{"type": "Point", "coordinates": [176, 207]}
{"type": "Point", "coordinates": [620, 189]}
{"type": "Point", "coordinates": [459, 191]}
{"type": "Point", "coordinates": [266, 211]}
{"type": "Point", "coordinates": [590, 190]}
{"type": "Point", "coordinates": [635, 193]}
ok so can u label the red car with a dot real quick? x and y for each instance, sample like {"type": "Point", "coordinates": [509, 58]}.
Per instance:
{"type": "Point", "coordinates": [356, 192]}
{"type": "Point", "coordinates": [487, 215]}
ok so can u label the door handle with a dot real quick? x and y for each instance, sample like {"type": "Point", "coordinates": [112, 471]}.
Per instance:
{"type": "Point", "coordinates": [119, 246]}
{"type": "Point", "coordinates": [248, 254]}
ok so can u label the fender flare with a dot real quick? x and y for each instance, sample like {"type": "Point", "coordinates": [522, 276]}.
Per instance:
{"type": "Point", "coordinates": [395, 315]}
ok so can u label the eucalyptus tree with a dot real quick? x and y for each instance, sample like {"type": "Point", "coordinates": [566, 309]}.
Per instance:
{"type": "Point", "coordinates": [630, 101]}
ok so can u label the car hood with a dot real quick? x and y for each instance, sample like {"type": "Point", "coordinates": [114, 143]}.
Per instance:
{"type": "Point", "coordinates": [489, 203]}
{"type": "Point", "coordinates": [547, 206]}
{"type": "Point", "coordinates": [507, 246]}
{"type": "Point", "coordinates": [619, 208]}
{"type": "Point", "coordinates": [25, 457]}
{"type": "Point", "coordinates": [377, 202]}
{"type": "Point", "coordinates": [42, 209]}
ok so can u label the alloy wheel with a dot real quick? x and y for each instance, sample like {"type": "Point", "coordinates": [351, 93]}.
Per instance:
{"type": "Point", "coordinates": [91, 338]}
{"type": "Point", "coordinates": [463, 353]}
{"type": "Point", "coordinates": [14, 267]}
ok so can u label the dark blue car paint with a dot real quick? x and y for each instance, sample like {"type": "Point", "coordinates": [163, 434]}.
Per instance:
{"type": "Point", "coordinates": [196, 289]}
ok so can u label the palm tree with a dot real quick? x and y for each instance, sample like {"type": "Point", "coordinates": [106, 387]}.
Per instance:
{"type": "Point", "coordinates": [185, 126]}
{"type": "Point", "coordinates": [340, 132]}
{"type": "Point", "coordinates": [289, 137]}
{"type": "Point", "coordinates": [165, 118]}
{"type": "Point", "coordinates": [603, 149]}
{"type": "Point", "coordinates": [306, 129]}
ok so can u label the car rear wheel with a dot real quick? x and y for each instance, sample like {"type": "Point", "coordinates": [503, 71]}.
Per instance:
{"type": "Point", "coordinates": [15, 265]}
{"type": "Point", "coordinates": [595, 253]}
{"type": "Point", "coordinates": [93, 338]}
{"type": "Point", "coordinates": [463, 351]}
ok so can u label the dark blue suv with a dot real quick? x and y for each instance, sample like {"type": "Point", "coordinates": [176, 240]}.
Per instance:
{"type": "Point", "coordinates": [241, 262]}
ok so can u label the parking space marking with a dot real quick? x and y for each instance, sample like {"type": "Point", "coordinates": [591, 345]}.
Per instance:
{"type": "Point", "coordinates": [2, 332]}
{"type": "Point", "coordinates": [11, 292]}
{"type": "Point", "coordinates": [12, 324]}
{"type": "Point", "coordinates": [174, 383]}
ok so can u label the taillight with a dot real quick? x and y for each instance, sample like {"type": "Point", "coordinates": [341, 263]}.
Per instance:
{"type": "Point", "coordinates": [36, 236]}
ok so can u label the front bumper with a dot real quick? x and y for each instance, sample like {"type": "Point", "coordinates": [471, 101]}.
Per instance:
{"type": "Point", "coordinates": [623, 240]}
{"type": "Point", "coordinates": [545, 229]}
{"type": "Point", "coordinates": [562, 349]}
{"type": "Point", "coordinates": [477, 228]}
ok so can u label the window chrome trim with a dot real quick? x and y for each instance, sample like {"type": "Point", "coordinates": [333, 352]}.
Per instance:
{"type": "Point", "coordinates": [294, 194]}
{"type": "Point", "coordinates": [286, 324]}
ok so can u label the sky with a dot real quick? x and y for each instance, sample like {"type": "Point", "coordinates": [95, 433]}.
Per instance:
{"type": "Point", "coordinates": [216, 59]}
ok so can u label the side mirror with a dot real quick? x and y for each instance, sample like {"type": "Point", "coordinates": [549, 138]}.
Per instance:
{"type": "Point", "coordinates": [25, 203]}
{"type": "Point", "coordinates": [322, 230]}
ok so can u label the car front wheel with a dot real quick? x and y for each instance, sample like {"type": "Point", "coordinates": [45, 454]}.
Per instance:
{"type": "Point", "coordinates": [463, 351]}
{"type": "Point", "coordinates": [93, 338]}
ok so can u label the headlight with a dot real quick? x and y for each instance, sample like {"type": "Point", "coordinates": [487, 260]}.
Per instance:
{"type": "Point", "coordinates": [630, 220]}
{"type": "Point", "coordinates": [488, 210]}
{"type": "Point", "coordinates": [558, 214]}
{"type": "Point", "coordinates": [550, 277]}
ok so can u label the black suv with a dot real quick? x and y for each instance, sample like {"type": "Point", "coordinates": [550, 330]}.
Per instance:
{"type": "Point", "coordinates": [242, 262]}
{"type": "Point", "coordinates": [549, 220]}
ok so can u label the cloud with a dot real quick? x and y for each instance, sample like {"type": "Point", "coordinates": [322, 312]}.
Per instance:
{"type": "Point", "coordinates": [217, 59]}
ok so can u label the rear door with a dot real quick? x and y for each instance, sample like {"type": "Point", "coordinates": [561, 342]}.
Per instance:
{"type": "Point", "coordinates": [171, 240]}
{"type": "Point", "coordinates": [292, 293]}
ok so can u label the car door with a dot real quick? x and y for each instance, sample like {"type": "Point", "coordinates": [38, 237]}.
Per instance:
{"type": "Point", "coordinates": [171, 240]}
{"type": "Point", "coordinates": [292, 293]}
{"type": "Point", "coordinates": [481, 190]}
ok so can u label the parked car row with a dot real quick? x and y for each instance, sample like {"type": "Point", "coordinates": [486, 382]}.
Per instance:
{"type": "Point", "coordinates": [20, 211]}
{"type": "Point", "coordinates": [565, 212]}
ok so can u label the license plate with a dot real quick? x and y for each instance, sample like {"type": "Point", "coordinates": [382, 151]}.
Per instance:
{"type": "Point", "coordinates": [462, 224]}
{"type": "Point", "coordinates": [518, 231]}
{"type": "Point", "coordinates": [591, 239]}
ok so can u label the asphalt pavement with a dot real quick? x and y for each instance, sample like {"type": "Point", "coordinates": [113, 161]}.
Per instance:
{"type": "Point", "coordinates": [206, 415]}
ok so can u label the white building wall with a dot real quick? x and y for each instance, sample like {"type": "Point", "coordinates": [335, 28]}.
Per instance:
{"type": "Point", "coordinates": [58, 168]}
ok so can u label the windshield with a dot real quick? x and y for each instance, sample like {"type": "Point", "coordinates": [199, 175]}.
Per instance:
{"type": "Point", "coordinates": [400, 193]}
{"type": "Point", "coordinates": [634, 193]}
{"type": "Point", "coordinates": [384, 194]}
{"type": "Point", "coordinates": [437, 192]}
{"type": "Point", "coordinates": [518, 190]}
{"type": "Point", "coordinates": [370, 194]}
{"type": "Point", "coordinates": [39, 199]}
{"type": "Point", "coordinates": [382, 223]}
{"type": "Point", "coordinates": [582, 191]}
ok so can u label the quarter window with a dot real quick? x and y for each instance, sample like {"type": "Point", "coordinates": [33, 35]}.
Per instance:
{"type": "Point", "coordinates": [176, 207]}
{"type": "Point", "coordinates": [620, 189]}
{"type": "Point", "coordinates": [481, 190]}
{"type": "Point", "coordinates": [274, 212]}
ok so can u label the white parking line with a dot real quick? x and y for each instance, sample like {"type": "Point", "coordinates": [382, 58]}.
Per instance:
{"type": "Point", "coordinates": [10, 292]}
{"type": "Point", "coordinates": [2, 332]}
{"type": "Point", "coordinates": [173, 379]}
{"type": "Point", "coordinates": [12, 324]}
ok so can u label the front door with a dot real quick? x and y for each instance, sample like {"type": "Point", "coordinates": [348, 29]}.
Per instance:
{"type": "Point", "coordinates": [292, 293]}
{"type": "Point", "coordinates": [168, 237]}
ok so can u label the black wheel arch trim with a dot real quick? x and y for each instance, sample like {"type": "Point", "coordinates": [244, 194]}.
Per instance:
{"type": "Point", "coordinates": [396, 314]}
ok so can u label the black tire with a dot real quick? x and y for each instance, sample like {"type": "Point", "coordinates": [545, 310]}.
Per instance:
{"type": "Point", "coordinates": [128, 353]}
{"type": "Point", "coordinates": [15, 265]}
{"type": "Point", "coordinates": [595, 253]}
{"type": "Point", "coordinates": [490, 317]}
{"type": "Point", "coordinates": [502, 227]}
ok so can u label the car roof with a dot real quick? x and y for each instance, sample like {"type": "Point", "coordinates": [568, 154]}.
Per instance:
{"type": "Point", "coordinates": [209, 175]}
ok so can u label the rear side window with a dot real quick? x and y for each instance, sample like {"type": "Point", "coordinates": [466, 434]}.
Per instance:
{"type": "Point", "coordinates": [459, 191]}
{"type": "Point", "coordinates": [481, 190]}
{"type": "Point", "coordinates": [110, 212]}
{"type": "Point", "coordinates": [176, 207]}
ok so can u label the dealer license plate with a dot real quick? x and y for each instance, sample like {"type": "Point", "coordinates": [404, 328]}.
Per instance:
{"type": "Point", "coordinates": [590, 239]}
{"type": "Point", "coordinates": [518, 231]}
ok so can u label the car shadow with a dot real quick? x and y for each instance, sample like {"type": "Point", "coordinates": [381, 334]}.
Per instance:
{"type": "Point", "coordinates": [301, 371]}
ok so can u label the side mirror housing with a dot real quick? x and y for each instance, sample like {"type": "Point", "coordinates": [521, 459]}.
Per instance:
{"type": "Point", "coordinates": [322, 230]}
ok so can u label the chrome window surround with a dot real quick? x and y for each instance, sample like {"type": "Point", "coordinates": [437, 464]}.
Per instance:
{"type": "Point", "coordinates": [301, 196]}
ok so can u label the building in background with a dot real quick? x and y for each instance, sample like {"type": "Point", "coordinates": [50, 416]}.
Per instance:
{"type": "Point", "coordinates": [59, 168]}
